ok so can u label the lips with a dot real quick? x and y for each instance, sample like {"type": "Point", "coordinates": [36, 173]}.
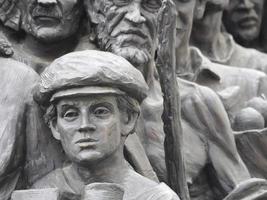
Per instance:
{"type": "Point", "coordinates": [131, 32]}
{"type": "Point", "coordinates": [46, 14]}
{"type": "Point", "coordinates": [248, 22]}
{"type": "Point", "coordinates": [86, 142]}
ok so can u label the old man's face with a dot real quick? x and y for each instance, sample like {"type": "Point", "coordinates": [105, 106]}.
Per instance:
{"type": "Point", "coordinates": [89, 127]}
{"type": "Point", "coordinates": [126, 27]}
{"type": "Point", "coordinates": [243, 18]}
{"type": "Point", "coordinates": [51, 20]}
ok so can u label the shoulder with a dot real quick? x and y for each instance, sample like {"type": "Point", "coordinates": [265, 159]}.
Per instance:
{"type": "Point", "coordinates": [159, 192]}
{"type": "Point", "coordinates": [201, 106]}
{"type": "Point", "coordinates": [17, 71]}
{"type": "Point", "coordinates": [189, 90]}
{"type": "Point", "coordinates": [52, 180]}
{"type": "Point", "coordinates": [138, 187]}
{"type": "Point", "coordinates": [254, 58]}
{"type": "Point", "coordinates": [137, 182]}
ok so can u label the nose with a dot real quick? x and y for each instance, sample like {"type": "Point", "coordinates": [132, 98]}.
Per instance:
{"type": "Point", "coordinates": [47, 3]}
{"type": "Point", "coordinates": [246, 4]}
{"type": "Point", "coordinates": [86, 125]}
{"type": "Point", "coordinates": [134, 14]}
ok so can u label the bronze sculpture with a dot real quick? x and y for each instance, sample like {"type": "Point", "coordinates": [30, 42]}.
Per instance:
{"type": "Point", "coordinates": [151, 125]}
{"type": "Point", "coordinates": [130, 31]}
{"type": "Point", "coordinates": [92, 106]}
{"type": "Point", "coordinates": [242, 92]}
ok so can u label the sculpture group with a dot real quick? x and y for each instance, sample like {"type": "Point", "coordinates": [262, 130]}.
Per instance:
{"type": "Point", "coordinates": [133, 100]}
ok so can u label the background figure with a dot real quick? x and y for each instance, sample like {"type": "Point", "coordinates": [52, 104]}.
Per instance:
{"type": "Point", "coordinates": [20, 119]}
{"type": "Point", "coordinates": [219, 46]}
{"type": "Point", "coordinates": [41, 30]}
{"type": "Point", "coordinates": [263, 34]}
{"type": "Point", "coordinates": [243, 19]}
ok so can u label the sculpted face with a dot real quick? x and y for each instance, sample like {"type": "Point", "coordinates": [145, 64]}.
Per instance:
{"type": "Point", "coordinates": [243, 18]}
{"type": "Point", "coordinates": [51, 20]}
{"type": "Point", "coordinates": [185, 13]}
{"type": "Point", "coordinates": [89, 127]}
{"type": "Point", "coordinates": [126, 27]}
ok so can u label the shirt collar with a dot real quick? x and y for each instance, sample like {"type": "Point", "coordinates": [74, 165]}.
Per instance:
{"type": "Point", "coordinates": [202, 68]}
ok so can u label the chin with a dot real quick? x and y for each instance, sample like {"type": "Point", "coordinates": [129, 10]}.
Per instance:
{"type": "Point", "coordinates": [249, 35]}
{"type": "Point", "coordinates": [49, 35]}
{"type": "Point", "coordinates": [88, 157]}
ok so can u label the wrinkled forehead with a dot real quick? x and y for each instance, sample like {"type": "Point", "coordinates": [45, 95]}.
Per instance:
{"type": "Point", "coordinates": [47, 2]}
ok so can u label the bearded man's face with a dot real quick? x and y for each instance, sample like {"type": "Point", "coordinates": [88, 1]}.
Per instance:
{"type": "Point", "coordinates": [126, 27]}
{"type": "Point", "coordinates": [51, 20]}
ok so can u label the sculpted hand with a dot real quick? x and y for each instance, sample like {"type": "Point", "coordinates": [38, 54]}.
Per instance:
{"type": "Point", "coordinates": [6, 49]}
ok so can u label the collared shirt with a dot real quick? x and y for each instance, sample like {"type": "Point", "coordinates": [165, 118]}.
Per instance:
{"type": "Point", "coordinates": [234, 85]}
{"type": "Point", "coordinates": [135, 186]}
{"type": "Point", "coordinates": [239, 56]}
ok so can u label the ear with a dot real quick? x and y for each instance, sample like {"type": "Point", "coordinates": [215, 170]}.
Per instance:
{"type": "Point", "coordinates": [200, 9]}
{"type": "Point", "coordinates": [128, 123]}
{"type": "Point", "coordinates": [92, 10]}
{"type": "Point", "coordinates": [54, 129]}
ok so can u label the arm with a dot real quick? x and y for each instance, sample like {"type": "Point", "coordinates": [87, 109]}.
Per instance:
{"type": "Point", "coordinates": [223, 155]}
{"type": "Point", "coordinates": [15, 85]}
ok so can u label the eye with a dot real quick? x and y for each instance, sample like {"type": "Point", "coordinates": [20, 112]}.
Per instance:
{"type": "Point", "coordinates": [152, 5]}
{"type": "Point", "coordinates": [71, 115]}
{"type": "Point", "coordinates": [121, 2]}
{"type": "Point", "coordinates": [102, 112]}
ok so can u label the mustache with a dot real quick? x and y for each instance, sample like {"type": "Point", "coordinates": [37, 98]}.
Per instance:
{"type": "Point", "coordinates": [133, 31]}
{"type": "Point", "coordinates": [40, 11]}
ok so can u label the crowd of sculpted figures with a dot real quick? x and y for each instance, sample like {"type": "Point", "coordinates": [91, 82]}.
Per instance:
{"type": "Point", "coordinates": [133, 99]}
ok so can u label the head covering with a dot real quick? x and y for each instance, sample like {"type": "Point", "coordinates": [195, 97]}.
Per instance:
{"type": "Point", "coordinates": [89, 72]}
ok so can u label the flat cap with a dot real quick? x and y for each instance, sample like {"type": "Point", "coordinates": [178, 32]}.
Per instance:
{"type": "Point", "coordinates": [89, 72]}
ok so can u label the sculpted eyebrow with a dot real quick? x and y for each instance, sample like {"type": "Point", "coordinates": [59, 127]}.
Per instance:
{"type": "Point", "coordinates": [64, 107]}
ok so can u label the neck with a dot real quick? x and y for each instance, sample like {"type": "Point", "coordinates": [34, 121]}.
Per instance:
{"type": "Point", "coordinates": [207, 36]}
{"type": "Point", "coordinates": [183, 57]}
{"type": "Point", "coordinates": [49, 51]}
{"type": "Point", "coordinates": [112, 169]}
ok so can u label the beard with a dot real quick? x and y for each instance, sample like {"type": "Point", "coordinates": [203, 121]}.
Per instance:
{"type": "Point", "coordinates": [136, 50]}
{"type": "Point", "coordinates": [136, 56]}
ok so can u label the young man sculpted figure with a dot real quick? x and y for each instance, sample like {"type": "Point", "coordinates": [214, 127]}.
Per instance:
{"type": "Point", "coordinates": [92, 103]}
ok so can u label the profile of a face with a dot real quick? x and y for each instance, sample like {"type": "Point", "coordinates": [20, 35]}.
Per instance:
{"type": "Point", "coordinates": [89, 127]}
{"type": "Point", "coordinates": [185, 15]}
{"type": "Point", "coordinates": [243, 19]}
{"type": "Point", "coordinates": [126, 27]}
{"type": "Point", "coordinates": [51, 20]}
